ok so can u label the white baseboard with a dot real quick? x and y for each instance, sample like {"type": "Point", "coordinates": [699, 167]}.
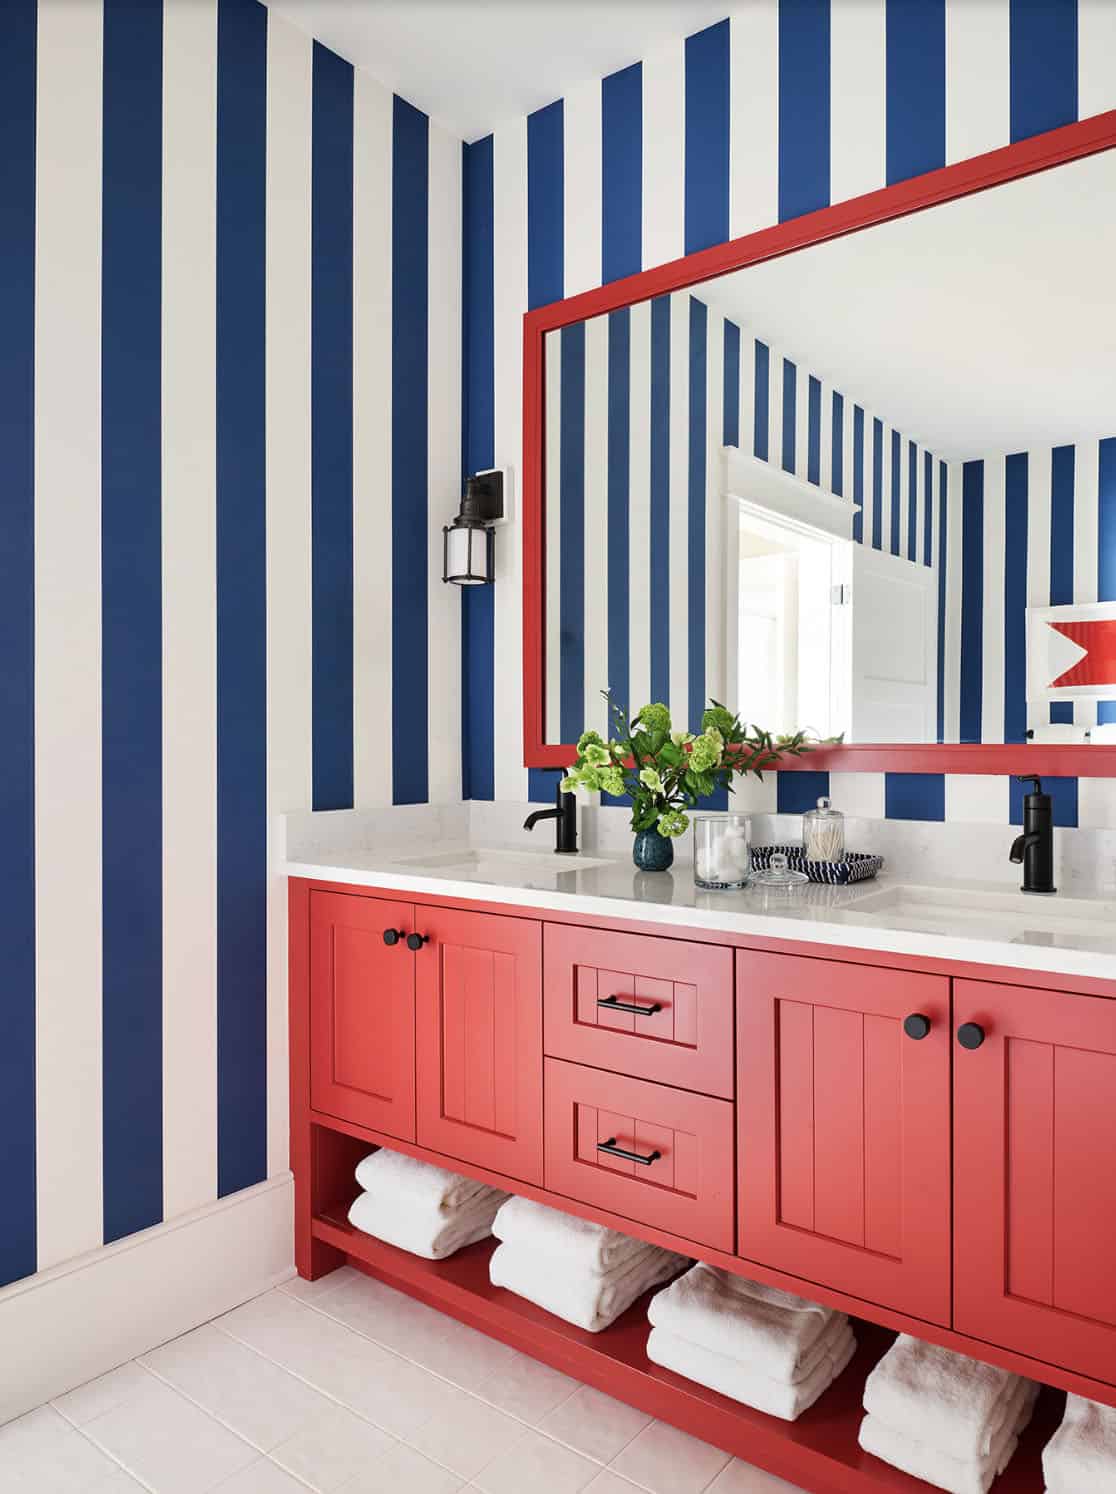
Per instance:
{"type": "Point", "coordinates": [80, 1319]}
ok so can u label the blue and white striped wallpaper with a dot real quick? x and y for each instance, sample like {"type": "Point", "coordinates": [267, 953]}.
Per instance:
{"type": "Point", "coordinates": [229, 435]}
{"type": "Point", "coordinates": [784, 107]}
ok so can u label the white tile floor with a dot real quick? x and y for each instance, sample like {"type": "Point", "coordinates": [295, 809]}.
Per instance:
{"type": "Point", "coordinates": [347, 1387]}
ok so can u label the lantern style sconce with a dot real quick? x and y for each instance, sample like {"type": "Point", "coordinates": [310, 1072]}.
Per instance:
{"type": "Point", "coordinates": [468, 544]}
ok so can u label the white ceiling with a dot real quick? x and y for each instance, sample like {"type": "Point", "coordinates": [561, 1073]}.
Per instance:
{"type": "Point", "coordinates": [984, 325]}
{"type": "Point", "coordinates": [470, 64]}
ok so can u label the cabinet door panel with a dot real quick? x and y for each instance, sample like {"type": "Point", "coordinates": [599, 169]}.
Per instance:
{"type": "Point", "coordinates": [362, 1002]}
{"type": "Point", "coordinates": [843, 1128]}
{"type": "Point", "coordinates": [479, 1034]}
{"type": "Point", "coordinates": [1035, 1182]}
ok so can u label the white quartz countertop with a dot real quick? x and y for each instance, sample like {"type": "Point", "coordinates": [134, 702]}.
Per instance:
{"type": "Point", "coordinates": [971, 922]}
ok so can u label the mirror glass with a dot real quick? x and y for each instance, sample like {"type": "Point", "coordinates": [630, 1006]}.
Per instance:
{"type": "Point", "coordinates": [867, 488]}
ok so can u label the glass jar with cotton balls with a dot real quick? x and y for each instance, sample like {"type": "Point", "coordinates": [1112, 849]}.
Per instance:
{"type": "Point", "coordinates": [722, 851]}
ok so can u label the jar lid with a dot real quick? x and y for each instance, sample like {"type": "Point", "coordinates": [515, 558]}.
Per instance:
{"type": "Point", "coordinates": [825, 807]}
{"type": "Point", "coordinates": [779, 873]}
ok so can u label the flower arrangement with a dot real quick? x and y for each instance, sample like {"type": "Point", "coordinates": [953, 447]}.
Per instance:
{"type": "Point", "coordinates": [666, 772]}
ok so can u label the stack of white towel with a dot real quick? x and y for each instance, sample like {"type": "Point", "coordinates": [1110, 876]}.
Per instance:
{"type": "Point", "coordinates": [581, 1272]}
{"type": "Point", "coordinates": [1080, 1458]}
{"type": "Point", "coordinates": [422, 1209]}
{"type": "Point", "coordinates": [944, 1417]}
{"type": "Point", "coordinates": [759, 1345]}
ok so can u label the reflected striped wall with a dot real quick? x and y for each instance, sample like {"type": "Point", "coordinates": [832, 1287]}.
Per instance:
{"type": "Point", "coordinates": [786, 106]}
{"type": "Point", "coordinates": [229, 417]}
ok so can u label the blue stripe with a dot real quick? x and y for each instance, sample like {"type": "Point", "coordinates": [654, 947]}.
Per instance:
{"type": "Point", "coordinates": [410, 564]}
{"type": "Point", "coordinates": [545, 205]}
{"type": "Point", "coordinates": [837, 464]}
{"type": "Point", "coordinates": [17, 636]}
{"type": "Point", "coordinates": [660, 501]}
{"type": "Point", "coordinates": [1063, 793]}
{"type": "Point", "coordinates": [912, 501]}
{"type": "Point", "coordinates": [790, 413]}
{"type": "Point", "coordinates": [972, 599]}
{"type": "Point", "coordinates": [619, 478]}
{"type": "Point", "coordinates": [1106, 546]}
{"type": "Point", "coordinates": [797, 792]}
{"type": "Point", "coordinates": [622, 173]}
{"type": "Point", "coordinates": [804, 27]}
{"type": "Point", "coordinates": [761, 409]}
{"type": "Point", "coordinates": [928, 509]}
{"type": "Point", "coordinates": [241, 597]}
{"type": "Point", "coordinates": [1015, 598]}
{"type": "Point", "coordinates": [813, 431]}
{"type": "Point", "coordinates": [858, 473]}
{"type": "Point", "coordinates": [914, 796]}
{"type": "Point", "coordinates": [896, 490]}
{"type": "Point", "coordinates": [131, 618]}
{"type": "Point", "coordinates": [699, 342]}
{"type": "Point", "coordinates": [877, 484]}
{"type": "Point", "coordinates": [1061, 547]}
{"type": "Point", "coordinates": [571, 535]}
{"type": "Point", "coordinates": [331, 430]}
{"type": "Point", "coordinates": [478, 431]}
{"type": "Point", "coordinates": [943, 543]}
{"type": "Point", "coordinates": [916, 87]}
{"type": "Point", "coordinates": [730, 407]}
{"type": "Point", "coordinates": [707, 138]}
{"type": "Point", "coordinates": [1043, 63]}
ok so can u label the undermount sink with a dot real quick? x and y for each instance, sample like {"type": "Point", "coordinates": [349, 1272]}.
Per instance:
{"type": "Point", "coordinates": [538, 869]}
{"type": "Point", "coordinates": [1019, 917]}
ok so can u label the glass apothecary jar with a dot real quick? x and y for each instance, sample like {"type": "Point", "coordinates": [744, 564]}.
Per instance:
{"type": "Point", "coordinates": [823, 833]}
{"type": "Point", "coordinates": [722, 851]}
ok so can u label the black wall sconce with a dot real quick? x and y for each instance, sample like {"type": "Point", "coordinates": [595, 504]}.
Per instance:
{"type": "Point", "coordinates": [468, 544]}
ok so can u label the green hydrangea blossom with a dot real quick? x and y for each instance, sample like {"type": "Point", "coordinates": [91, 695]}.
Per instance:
{"type": "Point", "coordinates": [717, 718]}
{"type": "Point", "coordinates": [588, 739]}
{"type": "Point", "coordinates": [705, 751]}
{"type": "Point", "coordinates": [596, 755]}
{"type": "Point", "coordinates": [650, 778]}
{"type": "Point", "coordinates": [673, 822]}
{"type": "Point", "coordinates": [655, 717]}
{"type": "Point", "coordinates": [612, 781]}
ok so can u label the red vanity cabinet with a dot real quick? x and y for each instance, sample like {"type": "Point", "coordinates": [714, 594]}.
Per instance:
{"type": "Point", "coordinates": [843, 1127]}
{"type": "Point", "coordinates": [1035, 1173]}
{"type": "Point", "coordinates": [362, 1012]}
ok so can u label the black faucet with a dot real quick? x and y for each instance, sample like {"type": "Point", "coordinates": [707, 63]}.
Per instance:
{"type": "Point", "coordinates": [1035, 847]}
{"type": "Point", "coordinates": [565, 812]}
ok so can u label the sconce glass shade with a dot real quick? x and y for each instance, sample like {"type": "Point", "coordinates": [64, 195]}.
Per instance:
{"type": "Point", "coordinates": [468, 554]}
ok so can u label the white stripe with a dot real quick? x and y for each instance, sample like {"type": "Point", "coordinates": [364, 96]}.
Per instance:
{"type": "Point", "coordinates": [663, 154]}
{"type": "Point", "coordinates": [774, 407]}
{"type": "Point", "coordinates": [885, 490]}
{"type": "Point", "coordinates": [753, 117]}
{"type": "Point", "coordinates": [992, 698]}
{"type": "Point", "coordinates": [977, 77]}
{"type": "Point", "coordinates": [802, 423]}
{"type": "Point", "coordinates": [68, 630]}
{"type": "Point", "coordinates": [190, 617]}
{"type": "Point", "coordinates": [825, 470]}
{"type": "Point", "coordinates": [858, 113]}
{"type": "Point", "coordinates": [747, 392]}
{"type": "Point", "coordinates": [678, 561]}
{"type": "Point", "coordinates": [868, 448]}
{"type": "Point", "coordinates": [904, 495]}
{"type": "Point", "coordinates": [443, 444]}
{"type": "Point", "coordinates": [639, 511]}
{"type": "Point", "coordinates": [847, 454]}
{"type": "Point", "coordinates": [582, 177]}
{"type": "Point", "coordinates": [372, 579]}
{"type": "Point", "coordinates": [714, 509]}
{"type": "Point", "coordinates": [1038, 552]}
{"type": "Point", "coordinates": [1096, 57]}
{"type": "Point", "coordinates": [1086, 534]}
{"type": "Point", "coordinates": [595, 663]}
{"type": "Point", "coordinates": [509, 197]}
{"type": "Point", "coordinates": [552, 547]}
{"type": "Point", "coordinates": [922, 498]}
{"type": "Point", "coordinates": [953, 605]}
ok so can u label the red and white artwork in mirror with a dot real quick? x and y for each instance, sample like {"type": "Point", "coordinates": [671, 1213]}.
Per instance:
{"type": "Point", "coordinates": [1071, 652]}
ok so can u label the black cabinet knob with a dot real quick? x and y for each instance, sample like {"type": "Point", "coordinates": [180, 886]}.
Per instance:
{"type": "Point", "coordinates": [970, 1034]}
{"type": "Point", "coordinates": [916, 1026]}
{"type": "Point", "coordinates": [392, 936]}
{"type": "Point", "coordinates": [416, 941]}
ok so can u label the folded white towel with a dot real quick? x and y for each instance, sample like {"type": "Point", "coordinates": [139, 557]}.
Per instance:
{"type": "Point", "coordinates": [739, 1379]}
{"type": "Point", "coordinates": [773, 1330]}
{"type": "Point", "coordinates": [1080, 1458]}
{"type": "Point", "coordinates": [579, 1244]}
{"type": "Point", "coordinates": [956, 1475]}
{"type": "Point", "coordinates": [390, 1174]}
{"type": "Point", "coordinates": [588, 1299]}
{"type": "Point", "coordinates": [954, 1403]}
{"type": "Point", "coordinates": [426, 1229]}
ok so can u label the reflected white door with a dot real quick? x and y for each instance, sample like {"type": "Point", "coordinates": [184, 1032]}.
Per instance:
{"type": "Point", "coordinates": [891, 624]}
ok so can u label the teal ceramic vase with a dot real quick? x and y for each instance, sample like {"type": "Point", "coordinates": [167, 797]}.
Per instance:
{"type": "Point", "coordinates": [652, 851]}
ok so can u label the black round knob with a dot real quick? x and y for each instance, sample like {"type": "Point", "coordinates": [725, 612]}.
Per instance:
{"type": "Point", "coordinates": [392, 936]}
{"type": "Point", "coordinates": [416, 941]}
{"type": "Point", "coordinates": [916, 1026]}
{"type": "Point", "coordinates": [970, 1034]}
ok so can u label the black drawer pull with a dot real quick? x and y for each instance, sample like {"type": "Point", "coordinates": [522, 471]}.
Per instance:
{"type": "Point", "coordinates": [613, 1150]}
{"type": "Point", "coordinates": [614, 1004]}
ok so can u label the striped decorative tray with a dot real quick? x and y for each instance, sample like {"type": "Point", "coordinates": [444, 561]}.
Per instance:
{"type": "Point", "coordinates": [857, 866]}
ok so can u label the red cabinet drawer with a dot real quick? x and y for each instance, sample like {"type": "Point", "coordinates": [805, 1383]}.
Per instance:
{"type": "Point", "coordinates": [687, 1189]}
{"type": "Point", "coordinates": [681, 1030]}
